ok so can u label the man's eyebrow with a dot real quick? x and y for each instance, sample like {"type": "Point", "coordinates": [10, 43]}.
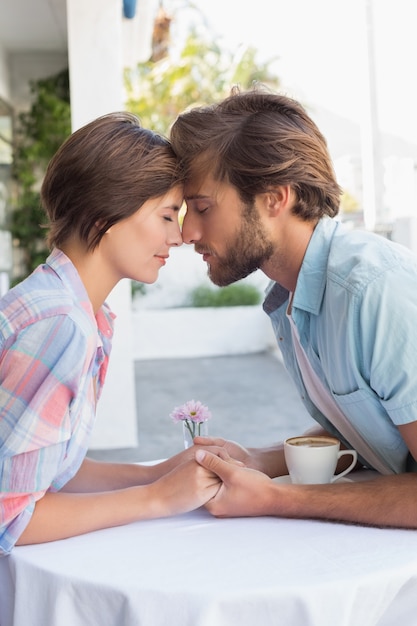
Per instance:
{"type": "Point", "coordinates": [196, 196]}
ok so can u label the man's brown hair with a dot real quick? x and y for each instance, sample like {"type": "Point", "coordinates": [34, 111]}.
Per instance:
{"type": "Point", "coordinates": [257, 140]}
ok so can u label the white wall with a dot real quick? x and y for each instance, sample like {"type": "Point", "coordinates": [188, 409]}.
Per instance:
{"type": "Point", "coordinates": [96, 78]}
{"type": "Point", "coordinates": [162, 328]}
{"type": "Point", "coordinates": [26, 67]}
{"type": "Point", "coordinates": [201, 332]}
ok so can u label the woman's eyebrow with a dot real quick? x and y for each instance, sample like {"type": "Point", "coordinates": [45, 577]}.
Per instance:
{"type": "Point", "coordinates": [172, 207]}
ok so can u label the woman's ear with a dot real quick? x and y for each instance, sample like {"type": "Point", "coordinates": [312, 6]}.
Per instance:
{"type": "Point", "coordinates": [99, 225]}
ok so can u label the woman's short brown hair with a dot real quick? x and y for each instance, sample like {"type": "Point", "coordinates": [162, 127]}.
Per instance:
{"type": "Point", "coordinates": [257, 140]}
{"type": "Point", "coordinates": [103, 173]}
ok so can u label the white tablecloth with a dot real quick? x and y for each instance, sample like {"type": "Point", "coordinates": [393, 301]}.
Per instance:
{"type": "Point", "coordinates": [196, 570]}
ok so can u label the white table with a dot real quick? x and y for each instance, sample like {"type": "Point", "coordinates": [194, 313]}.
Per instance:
{"type": "Point", "coordinates": [196, 570]}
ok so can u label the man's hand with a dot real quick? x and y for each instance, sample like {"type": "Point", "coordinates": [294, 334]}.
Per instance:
{"type": "Point", "coordinates": [243, 492]}
{"type": "Point", "coordinates": [161, 469]}
{"type": "Point", "coordinates": [383, 501]}
{"type": "Point", "coordinates": [230, 448]}
{"type": "Point", "coordinates": [269, 460]}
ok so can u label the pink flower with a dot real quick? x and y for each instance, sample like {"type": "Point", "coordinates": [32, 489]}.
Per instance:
{"type": "Point", "coordinates": [191, 411]}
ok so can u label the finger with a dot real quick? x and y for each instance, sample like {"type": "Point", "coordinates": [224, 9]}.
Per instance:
{"type": "Point", "coordinates": [233, 461]}
{"type": "Point", "coordinates": [213, 463]}
{"type": "Point", "coordinates": [209, 441]}
{"type": "Point", "coordinates": [218, 451]}
{"type": "Point", "coordinates": [223, 454]}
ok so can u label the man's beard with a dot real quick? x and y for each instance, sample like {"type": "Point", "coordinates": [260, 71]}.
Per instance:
{"type": "Point", "coordinates": [249, 250]}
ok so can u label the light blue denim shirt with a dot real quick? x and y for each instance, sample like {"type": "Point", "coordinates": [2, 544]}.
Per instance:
{"type": "Point", "coordinates": [355, 308]}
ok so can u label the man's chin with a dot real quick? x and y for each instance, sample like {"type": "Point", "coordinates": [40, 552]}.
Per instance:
{"type": "Point", "coordinates": [221, 281]}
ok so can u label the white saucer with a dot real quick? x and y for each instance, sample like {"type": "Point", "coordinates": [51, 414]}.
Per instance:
{"type": "Point", "coordinates": [286, 480]}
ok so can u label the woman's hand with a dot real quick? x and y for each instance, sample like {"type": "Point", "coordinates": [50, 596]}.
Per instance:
{"type": "Point", "coordinates": [160, 469]}
{"type": "Point", "coordinates": [187, 487]}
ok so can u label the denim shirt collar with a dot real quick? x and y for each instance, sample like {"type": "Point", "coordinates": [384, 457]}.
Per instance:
{"type": "Point", "coordinates": [311, 281]}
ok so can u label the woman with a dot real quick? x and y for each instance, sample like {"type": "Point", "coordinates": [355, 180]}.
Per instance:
{"type": "Point", "coordinates": [112, 194]}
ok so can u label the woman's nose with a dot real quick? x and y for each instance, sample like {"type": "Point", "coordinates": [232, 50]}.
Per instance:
{"type": "Point", "coordinates": [176, 239]}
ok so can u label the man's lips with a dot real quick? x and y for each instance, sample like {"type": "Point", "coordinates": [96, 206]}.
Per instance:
{"type": "Point", "coordinates": [206, 254]}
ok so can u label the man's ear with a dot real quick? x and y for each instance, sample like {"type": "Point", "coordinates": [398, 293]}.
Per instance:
{"type": "Point", "coordinates": [278, 199]}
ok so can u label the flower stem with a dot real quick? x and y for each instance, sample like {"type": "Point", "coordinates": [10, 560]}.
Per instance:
{"type": "Point", "coordinates": [190, 428]}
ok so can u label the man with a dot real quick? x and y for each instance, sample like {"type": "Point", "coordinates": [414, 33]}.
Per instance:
{"type": "Point", "coordinates": [261, 193]}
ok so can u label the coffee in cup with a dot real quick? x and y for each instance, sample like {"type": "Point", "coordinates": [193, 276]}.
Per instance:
{"type": "Point", "coordinates": [312, 460]}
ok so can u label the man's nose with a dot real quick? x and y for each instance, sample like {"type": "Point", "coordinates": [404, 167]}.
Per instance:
{"type": "Point", "coordinates": [190, 230]}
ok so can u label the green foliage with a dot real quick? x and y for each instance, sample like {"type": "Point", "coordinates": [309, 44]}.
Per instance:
{"type": "Point", "coordinates": [138, 288]}
{"type": "Point", "coordinates": [232, 295]}
{"type": "Point", "coordinates": [348, 203]}
{"type": "Point", "coordinates": [204, 73]}
{"type": "Point", "coordinates": [38, 134]}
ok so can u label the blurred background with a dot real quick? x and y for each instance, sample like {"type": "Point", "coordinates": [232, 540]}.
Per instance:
{"type": "Point", "coordinates": [64, 62]}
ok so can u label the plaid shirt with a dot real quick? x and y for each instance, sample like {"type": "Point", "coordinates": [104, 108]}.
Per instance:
{"type": "Point", "coordinates": [53, 360]}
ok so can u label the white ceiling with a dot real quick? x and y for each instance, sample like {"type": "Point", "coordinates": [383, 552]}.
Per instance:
{"type": "Point", "coordinates": [33, 25]}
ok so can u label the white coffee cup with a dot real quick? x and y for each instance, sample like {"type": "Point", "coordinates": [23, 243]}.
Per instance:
{"type": "Point", "coordinates": [312, 460]}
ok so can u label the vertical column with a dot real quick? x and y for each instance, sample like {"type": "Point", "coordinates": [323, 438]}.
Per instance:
{"type": "Point", "coordinates": [372, 170]}
{"type": "Point", "coordinates": [95, 54]}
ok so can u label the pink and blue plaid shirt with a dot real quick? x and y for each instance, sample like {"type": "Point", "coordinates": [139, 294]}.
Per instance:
{"type": "Point", "coordinates": [53, 361]}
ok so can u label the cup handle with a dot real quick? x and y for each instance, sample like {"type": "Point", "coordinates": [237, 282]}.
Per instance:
{"type": "Point", "coordinates": [354, 454]}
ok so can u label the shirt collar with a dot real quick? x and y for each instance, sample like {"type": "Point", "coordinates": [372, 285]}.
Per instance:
{"type": "Point", "coordinates": [311, 281]}
{"type": "Point", "coordinates": [66, 271]}
{"type": "Point", "coordinates": [68, 274]}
